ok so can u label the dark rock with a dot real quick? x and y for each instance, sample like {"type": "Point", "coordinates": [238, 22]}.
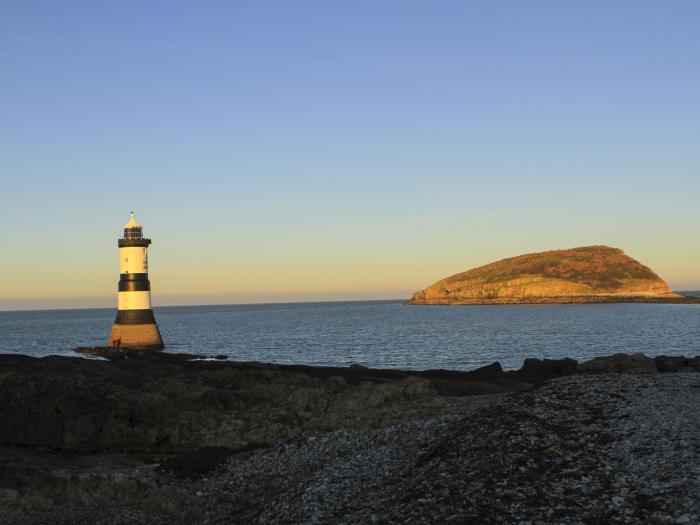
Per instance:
{"type": "Point", "coordinates": [543, 369]}
{"type": "Point", "coordinates": [670, 363]}
{"type": "Point", "coordinates": [694, 363]}
{"type": "Point", "coordinates": [494, 370]}
{"type": "Point", "coordinates": [445, 387]}
{"type": "Point", "coordinates": [619, 363]}
{"type": "Point", "coordinates": [156, 402]}
{"type": "Point", "coordinates": [49, 481]}
{"type": "Point", "coordinates": [195, 464]}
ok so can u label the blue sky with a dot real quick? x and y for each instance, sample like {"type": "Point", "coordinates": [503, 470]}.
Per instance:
{"type": "Point", "coordinates": [327, 150]}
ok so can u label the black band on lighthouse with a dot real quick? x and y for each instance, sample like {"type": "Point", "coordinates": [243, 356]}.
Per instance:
{"type": "Point", "coordinates": [123, 243]}
{"type": "Point", "coordinates": [133, 277]}
{"type": "Point", "coordinates": [135, 317]}
{"type": "Point", "coordinates": [134, 286]}
{"type": "Point", "coordinates": [134, 282]}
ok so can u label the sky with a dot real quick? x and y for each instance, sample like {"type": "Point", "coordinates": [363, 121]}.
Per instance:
{"type": "Point", "coordinates": [309, 150]}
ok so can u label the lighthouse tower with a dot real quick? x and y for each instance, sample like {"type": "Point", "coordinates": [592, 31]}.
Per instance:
{"type": "Point", "coordinates": [135, 326]}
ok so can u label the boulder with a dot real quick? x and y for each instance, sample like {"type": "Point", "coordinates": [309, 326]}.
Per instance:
{"type": "Point", "coordinates": [670, 363]}
{"type": "Point", "coordinates": [694, 363]}
{"type": "Point", "coordinates": [492, 371]}
{"type": "Point", "coordinates": [543, 369]}
{"type": "Point", "coordinates": [620, 363]}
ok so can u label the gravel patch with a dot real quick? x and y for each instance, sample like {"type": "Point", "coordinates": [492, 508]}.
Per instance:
{"type": "Point", "coordinates": [583, 449]}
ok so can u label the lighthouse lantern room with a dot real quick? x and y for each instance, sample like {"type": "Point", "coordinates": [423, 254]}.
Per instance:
{"type": "Point", "coordinates": [135, 326]}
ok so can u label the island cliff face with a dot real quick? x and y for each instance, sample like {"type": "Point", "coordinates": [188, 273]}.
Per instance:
{"type": "Point", "coordinates": [593, 274]}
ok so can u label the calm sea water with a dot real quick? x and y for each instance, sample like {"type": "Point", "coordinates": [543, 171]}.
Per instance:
{"type": "Point", "coordinates": [378, 333]}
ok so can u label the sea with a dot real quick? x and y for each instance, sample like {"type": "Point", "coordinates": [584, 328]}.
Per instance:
{"type": "Point", "coordinates": [384, 334]}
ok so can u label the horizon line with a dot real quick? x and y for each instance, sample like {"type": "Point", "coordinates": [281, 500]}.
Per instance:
{"type": "Point", "coordinates": [271, 303]}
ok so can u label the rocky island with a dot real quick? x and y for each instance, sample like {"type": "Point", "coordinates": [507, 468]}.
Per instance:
{"type": "Point", "coordinates": [593, 274]}
{"type": "Point", "coordinates": [160, 438]}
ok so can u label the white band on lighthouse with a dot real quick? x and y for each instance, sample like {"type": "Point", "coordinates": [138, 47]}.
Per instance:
{"type": "Point", "coordinates": [133, 259]}
{"type": "Point", "coordinates": [134, 300]}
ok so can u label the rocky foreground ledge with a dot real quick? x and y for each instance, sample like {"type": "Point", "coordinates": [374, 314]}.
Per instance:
{"type": "Point", "coordinates": [167, 439]}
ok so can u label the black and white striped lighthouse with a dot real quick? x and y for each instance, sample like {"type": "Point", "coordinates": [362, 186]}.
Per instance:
{"type": "Point", "coordinates": [135, 326]}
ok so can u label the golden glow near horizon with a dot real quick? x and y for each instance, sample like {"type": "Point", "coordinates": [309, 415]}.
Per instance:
{"type": "Point", "coordinates": [359, 262]}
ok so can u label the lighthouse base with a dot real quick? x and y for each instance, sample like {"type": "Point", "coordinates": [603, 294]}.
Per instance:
{"type": "Point", "coordinates": [136, 336]}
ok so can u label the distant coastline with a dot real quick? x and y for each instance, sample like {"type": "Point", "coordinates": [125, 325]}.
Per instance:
{"type": "Point", "coordinates": [675, 298]}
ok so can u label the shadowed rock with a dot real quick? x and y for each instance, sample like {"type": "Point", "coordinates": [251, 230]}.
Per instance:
{"type": "Point", "coordinates": [670, 363]}
{"type": "Point", "coordinates": [161, 402]}
{"type": "Point", "coordinates": [619, 363]}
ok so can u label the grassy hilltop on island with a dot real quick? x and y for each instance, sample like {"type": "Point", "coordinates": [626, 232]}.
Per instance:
{"type": "Point", "coordinates": [593, 274]}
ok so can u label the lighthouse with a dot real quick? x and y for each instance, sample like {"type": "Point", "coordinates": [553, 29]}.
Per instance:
{"type": "Point", "coordinates": [135, 326]}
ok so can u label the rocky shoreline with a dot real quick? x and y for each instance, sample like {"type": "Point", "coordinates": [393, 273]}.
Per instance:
{"type": "Point", "coordinates": [163, 438]}
{"type": "Point", "coordinates": [579, 299]}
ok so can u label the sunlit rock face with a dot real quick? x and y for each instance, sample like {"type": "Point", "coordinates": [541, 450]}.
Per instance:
{"type": "Point", "coordinates": [588, 274]}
